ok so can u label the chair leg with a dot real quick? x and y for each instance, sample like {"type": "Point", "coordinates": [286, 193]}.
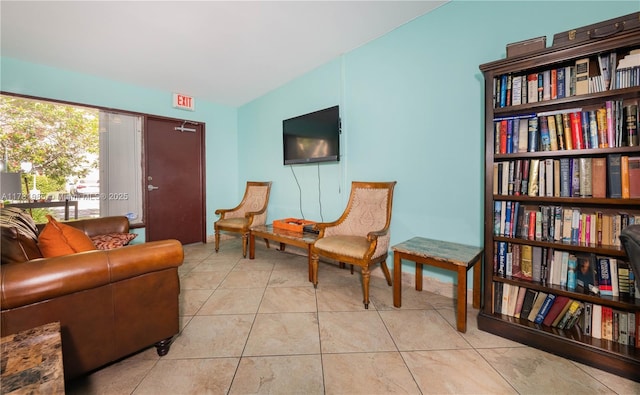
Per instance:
{"type": "Point", "coordinates": [341, 265]}
{"type": "Point", "coordinates": [314, 269]}
{"type": "Point", "coordinates": [217, 240]}
{"type": "Point", "coordinates": [266, 242]}
{"type": "Point", "coordinates": [351, 269]}
{"type": "Point", "coordinates": [366, 276]}
{"type": "Point", "coordinates": [245, 241]}
{"type": "Point", "coordinates": [385, 270]}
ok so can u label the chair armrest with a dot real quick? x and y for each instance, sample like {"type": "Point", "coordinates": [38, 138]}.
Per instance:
{"type": "Point", "coordinates": [47, 278]}
{"type": "Point", "coordinates": [371, 236]}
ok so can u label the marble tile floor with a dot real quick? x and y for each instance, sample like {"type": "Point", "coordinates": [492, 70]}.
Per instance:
{"type": "Point", "coordinates": [258, 326]}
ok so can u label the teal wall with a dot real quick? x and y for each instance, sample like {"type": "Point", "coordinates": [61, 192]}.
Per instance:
{"type": "Point", "coordinates": [411, 105]}
{"type": "Point", "coordinates": [412, 110]}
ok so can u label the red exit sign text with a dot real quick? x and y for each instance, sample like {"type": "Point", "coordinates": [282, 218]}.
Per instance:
{"type": "Point", "coordinates": [183, 102]}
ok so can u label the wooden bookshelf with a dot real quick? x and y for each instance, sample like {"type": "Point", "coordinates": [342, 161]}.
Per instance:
{"type": "Point", "coordinates": [610, 355]}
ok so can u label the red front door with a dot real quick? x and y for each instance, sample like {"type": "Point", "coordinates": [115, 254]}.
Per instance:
{"type": "Point", "coordinates": [174, 181]}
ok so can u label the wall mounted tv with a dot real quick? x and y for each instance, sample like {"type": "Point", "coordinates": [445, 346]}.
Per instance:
{"type": "Point", "coordinates": [313, 137]}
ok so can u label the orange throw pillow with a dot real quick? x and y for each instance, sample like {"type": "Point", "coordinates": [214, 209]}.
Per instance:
{"type": "Point", "coordinates": [58, 239]}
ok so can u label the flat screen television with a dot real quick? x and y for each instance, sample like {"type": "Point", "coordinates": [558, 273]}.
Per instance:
{"type": "Point", "coordinates": [313, 137]}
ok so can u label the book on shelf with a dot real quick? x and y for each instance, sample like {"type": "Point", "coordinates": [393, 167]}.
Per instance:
{"type": "Point", "coordinates": [607, 323]}
{"type": "Point", "coordinates": [572, 268]}
{"type": "Point", "coordinates": [586, 130]}
{"type": "Point", "coordinates": [624, 177]}
{"type": "Point", "coordinates": [603, 270]}
{"type": "Point", "coordinates": [533, 134]}
{"type": "Point", "coordinates": [537, 304]}
{"type": "Point", "coordinates": [516, 90]}
{"type": "Point", "coordinates": [534, 167]}
{"type": "Point", "coordinates": [544, 308]}
{"type": "Point", "coordinates": [497, 297]}
{"type": "Point", "coordinates": [582, 76]}
{"type": "Point", "coordinates": [522, 292]}
{"type": "Point", "coordinates": [634, 177]}
{"type": "Point", "coordinates": [560, 76]}
{"type": "Point", "coordinates": [585, 187]}
{"type": "Point", "coordinates": [596, 321]}
{"type": "Point", "coordinates": [562, 312]}
{"type": "Point", "coordinates": [593, 129]}
{"type": "Point", "coordinates": [576, 130]}
{"type": "Point", "coordinates": [536, 264]}
{"type": "Point", "coordinates": [611, 139]}
{"type": "Point", "coordinates": [529, 298]}
{"type": "Point", "coordinates": [545, 138]}
{"type": "Point", "coordinates": [575, 177]}
{"type": "Point", "coordinates": [587, 318]}
{"type": "Point", "coordinates": [585, 271]}
{"type": "Point", "coordinates": [574, 308]}
{"type": "Point", "coordinates": [558, 305]}
{"type": "Point", "coordinates": [546, 85]}
{"type": "Point", "coordinates": [614, 180]}
{"type": "Point", "coordinates": [568, 134]}
{"type": "Point", "coordinates": [599, 177]}
{"type": "Point", "coordinates": [526, 263]}
{"type": "Point", "coordinates": [631, 124]}
{"type": "Point", "coordinates": [625, 284]}
{"type": "Point", "coordinates": [532, 88]}
{"type": "Point", "coordinates": [506, 292]}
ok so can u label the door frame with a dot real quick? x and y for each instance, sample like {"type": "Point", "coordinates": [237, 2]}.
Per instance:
{"type": "Point", "coordinates": [145, 169]}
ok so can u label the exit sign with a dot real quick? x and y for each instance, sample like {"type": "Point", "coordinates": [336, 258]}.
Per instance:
{"type": "Point", "coordinates": [184, 102]}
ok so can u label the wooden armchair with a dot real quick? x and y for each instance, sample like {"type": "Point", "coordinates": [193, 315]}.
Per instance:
{"type": "Point", "coordinates": [251, 211]}
{"type": "Point", "coordinates": [361, 235]}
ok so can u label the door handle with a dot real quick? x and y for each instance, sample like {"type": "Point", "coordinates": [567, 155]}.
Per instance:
{"type": "Point", "coordinates": [151, 187]}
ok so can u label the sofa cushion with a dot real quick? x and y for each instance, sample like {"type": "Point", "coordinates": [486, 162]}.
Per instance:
{"type": "Point", "coordinates": [58, 239]}
{"type": "Point", "coordinates": [112, 240]}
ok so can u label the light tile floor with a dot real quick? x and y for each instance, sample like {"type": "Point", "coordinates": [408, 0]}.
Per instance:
{"type": "Point", "coordinates": [259, 326]}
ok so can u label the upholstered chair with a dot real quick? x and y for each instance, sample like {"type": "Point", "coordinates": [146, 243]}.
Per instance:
{"type": "Point", "coordinates": [361, 235]}
{"type": "Point", "coordinates": [252, 211]}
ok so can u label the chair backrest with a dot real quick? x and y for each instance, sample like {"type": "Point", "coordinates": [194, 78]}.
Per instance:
{"type": "Point", "coordinates": [630, 237]}
{"type": "Point", "coordinates": [368, 210]}
{"type": "Point", "coordinates": [256, 199]}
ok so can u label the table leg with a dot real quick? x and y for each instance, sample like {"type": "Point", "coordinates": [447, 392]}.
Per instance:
{"type": "Point", "coordinates": [461, 314]}
{"type": "Point", "coordinates": [477, 271]}
{"type": "Point", "coordinates": [309, 263]}
{"type": "Point", "coordinates": [397, 280]}
{"type": "Point", "coordinates": [418, 276]}
{"type": "Point", "coordinates": [252, 245]}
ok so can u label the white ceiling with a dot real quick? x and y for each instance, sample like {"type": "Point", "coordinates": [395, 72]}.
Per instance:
{"type": "Point", "coordinates": [226, 52]}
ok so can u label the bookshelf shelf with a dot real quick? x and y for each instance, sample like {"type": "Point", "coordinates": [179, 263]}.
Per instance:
{"type": "Point", "coordinates": [582, 228]}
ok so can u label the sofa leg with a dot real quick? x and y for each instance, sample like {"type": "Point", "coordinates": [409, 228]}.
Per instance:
{"type": "Point", "coordinates": [162, 347]}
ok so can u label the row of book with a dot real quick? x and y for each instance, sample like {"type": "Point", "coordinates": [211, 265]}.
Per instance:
{"type": "Point", "coordinates": [615, 124]}
{"type": "Point", "coordinates": [563, 313]}
{"type": "Point", "coordinates": [558, 224]}
{"type": "Point", "coordinates": [614, 176]}
{"type": "Point", "coordinates": [581, 272]}
{"type": "Point", "coordinates": [584, 76]}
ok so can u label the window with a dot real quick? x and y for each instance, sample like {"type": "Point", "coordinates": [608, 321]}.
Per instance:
{"type": "Point", "coordinates": [72, 152]}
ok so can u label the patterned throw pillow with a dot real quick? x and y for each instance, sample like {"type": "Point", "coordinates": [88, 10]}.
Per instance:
{"type": "Point", "coordinates": [112, 240]}
{"type": "Point", "coordinates": [13, 217]}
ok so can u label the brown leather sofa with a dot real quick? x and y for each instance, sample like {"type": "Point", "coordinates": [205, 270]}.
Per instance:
{"type": "Point", "coordinates": [110, 303]}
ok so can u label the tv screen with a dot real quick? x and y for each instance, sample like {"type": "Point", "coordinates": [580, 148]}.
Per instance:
{"type": "Point", "coordinates": [313, 137]}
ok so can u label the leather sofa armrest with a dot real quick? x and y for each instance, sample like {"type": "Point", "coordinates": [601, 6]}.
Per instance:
{"type": "Point", "coordinates": [47, 278]}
